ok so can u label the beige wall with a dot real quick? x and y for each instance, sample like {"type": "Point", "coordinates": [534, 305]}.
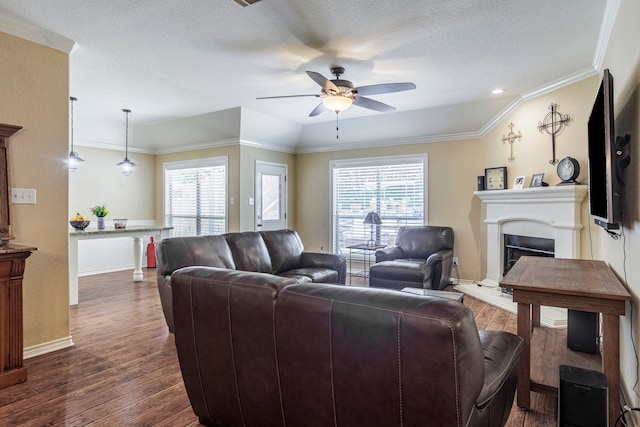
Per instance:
{"type": "Point", "coordinates": [453, 169]}
{"type": "Point", "coordinates": [241, 176]}
{"type": "Point", "coordinates": [623, 59]}
{"type": "Point", "coordinates": [98, 180]}
{"type": "Point", "coordinates": [34, 88]}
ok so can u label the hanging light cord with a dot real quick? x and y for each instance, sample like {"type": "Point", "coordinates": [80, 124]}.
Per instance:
{"type": "Point", "coordinates": [126, 135]}
{"type": "Point", "coordinates": [72, 101]}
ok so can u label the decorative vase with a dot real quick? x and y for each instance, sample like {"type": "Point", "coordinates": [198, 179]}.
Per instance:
{"type": "Point", "coordinates": [100, 223]}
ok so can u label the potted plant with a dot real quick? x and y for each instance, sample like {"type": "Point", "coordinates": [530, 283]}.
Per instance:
{"type": "Point", "coordinates": [100, 211]}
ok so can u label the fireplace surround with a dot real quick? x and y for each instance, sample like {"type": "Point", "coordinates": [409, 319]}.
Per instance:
{"type": "Point", "coordinates": [549, 213]}
{"type": "Point", "coordinates": [542, 212]}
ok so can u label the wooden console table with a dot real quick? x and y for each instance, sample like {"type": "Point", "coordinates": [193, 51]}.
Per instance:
{"type": "Point", "coordinates": [574, 284]}
{"type": "Point", "coordinates": [12, 263]}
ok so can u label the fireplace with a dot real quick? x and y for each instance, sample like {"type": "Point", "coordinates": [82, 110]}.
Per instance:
{"type": "Point", "coordinates": [552, 213]}
{"type": "Point", "coordinates": [516, 246]}
{"type": "Point", "coordinates": [544, 220]}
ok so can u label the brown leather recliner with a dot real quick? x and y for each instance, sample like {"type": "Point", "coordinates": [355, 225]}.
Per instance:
{"type": "Point", "coordinates": [278, 252]}
{"type": "Point", "coordinates": [422, 258]}
{"type": "Point", "coordinates": [257, 349]}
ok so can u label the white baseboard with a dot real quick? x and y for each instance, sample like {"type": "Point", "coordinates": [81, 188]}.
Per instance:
{"type": "Point", "coordinates": [47, 347]}
{"type": "Point", "coordinates": [552, 317]}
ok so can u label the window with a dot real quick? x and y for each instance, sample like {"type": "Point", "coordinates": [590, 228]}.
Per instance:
{"type": "Point", "coordinates": [394, 187]}
{"type": "Point", "coordinates": [195, 194]}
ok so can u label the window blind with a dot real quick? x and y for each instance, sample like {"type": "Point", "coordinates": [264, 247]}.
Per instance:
{"type": "Point", "coordinates": [195, 194]}
{"type": "Point", "coordinates": [394, 187]}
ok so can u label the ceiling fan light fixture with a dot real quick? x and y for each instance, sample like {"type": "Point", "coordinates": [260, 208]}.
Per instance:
{"type": "Point", "coordinates": [337, 103]}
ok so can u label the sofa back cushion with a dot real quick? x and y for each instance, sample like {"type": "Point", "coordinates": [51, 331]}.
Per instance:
{"type": "Point", "coordinates": [176, 252]}
{"type": "Point", "coordinates": [420, 360]}
{"type": "Point", "coordinates": [422, 241]}
{"type": "Point", "coordinates": [224, 338]}
{"type": "Point", "coordinates": [249, 251]}
{"type": "Point", "coordinates": [285, 249]}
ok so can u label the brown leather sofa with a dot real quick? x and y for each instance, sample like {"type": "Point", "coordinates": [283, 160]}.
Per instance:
{"type": "Point", "coordinates": [422, 258]}
{"type": "Point", "coordinates": [278, 252]}
{"type": "Point", "coordinates": [261, 350]}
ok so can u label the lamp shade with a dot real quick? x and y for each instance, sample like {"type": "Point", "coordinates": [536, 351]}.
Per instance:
{"type": "Point", "coordinates": [337, 103]}
{"type": "Point", "coordinates": [372, 218]}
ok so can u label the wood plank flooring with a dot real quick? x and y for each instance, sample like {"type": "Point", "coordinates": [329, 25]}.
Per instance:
{"type": "Point", "coordinates": [123, 369]}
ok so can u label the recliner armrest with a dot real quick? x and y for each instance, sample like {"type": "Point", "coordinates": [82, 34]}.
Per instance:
{"type": "Point", "coordinates": [322, 260]}
{"type": "Point", "coordinates": [439, 256]}
{"type": "Point", "coordinates": [388, 254]}
{"type": "Point", "coordinates": [501, 356]}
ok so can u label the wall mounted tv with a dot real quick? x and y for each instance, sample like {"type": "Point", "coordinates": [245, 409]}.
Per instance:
{"type": "Point", "coordinates": [607, 159]}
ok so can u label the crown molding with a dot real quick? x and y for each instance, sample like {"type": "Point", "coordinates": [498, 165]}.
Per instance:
{"type": "Point", "coordinates": [36, 35]}
{"type": "Point", "coordinates": [606, 28]}
{"type": "Point", "coordinates": [269, 146]}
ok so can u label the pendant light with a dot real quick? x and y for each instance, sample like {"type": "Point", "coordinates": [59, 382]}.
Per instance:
{"type": "Point", "coordinates": [126, 165]}
{"type": "Point", "coordinates": [74, 159]}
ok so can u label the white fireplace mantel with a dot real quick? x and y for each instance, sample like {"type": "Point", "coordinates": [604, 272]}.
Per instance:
{"type": "Point", "coordinates": [546, 212]}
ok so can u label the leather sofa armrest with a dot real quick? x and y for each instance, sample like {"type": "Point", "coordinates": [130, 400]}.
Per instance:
{"type": "Point", "coordinates": [501, 357]}
{"type": "Point", "coordinates": [322, 260]}
{"type": "Point", "coordinates": [439, 256]}
{"type": "Point", "coordinates": [388, 254]}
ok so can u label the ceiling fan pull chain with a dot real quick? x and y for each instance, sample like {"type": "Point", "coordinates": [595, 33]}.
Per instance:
{"type": "Point", "coordinates": [337, 128]}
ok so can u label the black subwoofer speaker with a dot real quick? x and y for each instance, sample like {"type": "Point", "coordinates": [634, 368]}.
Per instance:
{"type": "Point", "coordinates": [582, 398]}
{"type": "Point", "coordinates": [582, 331]}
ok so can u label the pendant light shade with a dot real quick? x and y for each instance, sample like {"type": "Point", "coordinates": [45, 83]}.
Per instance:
{"type": "Point", "coordinates": [74, 158]}
{"type": "Point", "coordinates": [126, 165]}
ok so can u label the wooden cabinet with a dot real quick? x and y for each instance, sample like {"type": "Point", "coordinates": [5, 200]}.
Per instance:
{"type": "Point", "coordinates": [12, 263]}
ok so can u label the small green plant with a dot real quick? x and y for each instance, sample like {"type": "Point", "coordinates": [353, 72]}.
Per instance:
{"type": "Point", "coordinates": [99, 210]}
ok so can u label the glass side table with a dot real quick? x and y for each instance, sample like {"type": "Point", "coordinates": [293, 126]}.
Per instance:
{"type": "Point", "coordinates": [365, 252]}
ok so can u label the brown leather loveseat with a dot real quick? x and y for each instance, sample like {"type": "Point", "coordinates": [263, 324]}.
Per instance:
{"type": "Point", "coordinates": [278, 252]}
{"type": "Point", "coordinates": [261, 350]}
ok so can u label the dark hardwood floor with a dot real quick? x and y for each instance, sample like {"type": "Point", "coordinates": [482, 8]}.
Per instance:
{"type": "Point", "coordinates": [123, 369]}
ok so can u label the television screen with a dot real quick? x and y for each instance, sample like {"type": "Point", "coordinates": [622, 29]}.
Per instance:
{"type": "Point", "coordinates": [604, 194]}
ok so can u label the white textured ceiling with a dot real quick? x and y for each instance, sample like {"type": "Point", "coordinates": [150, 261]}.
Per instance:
{"type": "Point", "coordinates": [168, 60]}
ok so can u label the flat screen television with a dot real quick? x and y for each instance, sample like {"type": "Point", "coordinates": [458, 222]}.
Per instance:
{"type": "Point", "coordinates": [605, 181]}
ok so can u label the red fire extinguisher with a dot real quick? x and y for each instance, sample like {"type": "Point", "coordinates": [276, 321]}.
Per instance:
{"type": "Point", "coordinates": [151, 253]}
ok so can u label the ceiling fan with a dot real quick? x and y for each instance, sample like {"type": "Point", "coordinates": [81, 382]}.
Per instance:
{"type": "Point", "coordinates": [338, 95]}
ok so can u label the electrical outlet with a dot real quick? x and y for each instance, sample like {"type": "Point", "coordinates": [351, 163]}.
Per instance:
{"type": "Point", "coordinates": [455, 261]}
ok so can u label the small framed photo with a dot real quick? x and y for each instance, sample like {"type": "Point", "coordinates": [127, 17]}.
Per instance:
{"type": "Point", "coordinates": [536, 180]}
{"type": "Point", "coordinates": [495, 178]}
{"type": "Point", "coordinates": [519, 182]}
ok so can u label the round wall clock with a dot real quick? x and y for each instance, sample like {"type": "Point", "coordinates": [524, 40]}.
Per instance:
{"type": "Point", "coordinates": [568, 170]}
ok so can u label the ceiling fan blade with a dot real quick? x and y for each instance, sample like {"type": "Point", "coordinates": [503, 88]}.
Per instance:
{"type": "Point", "coordinates": [372, 104]}
{"type": "Point", "coordinates": [385, 88]}
{"type": "Point", "coordinates": [286, 96]}
{"type": "Point", "coordinates": [322, 81]}
{"type": "Point", "coordinates": [320, 108]}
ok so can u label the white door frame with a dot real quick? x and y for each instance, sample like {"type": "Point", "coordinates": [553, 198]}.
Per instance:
{"type": "Point", "coordinates": [259, 224]}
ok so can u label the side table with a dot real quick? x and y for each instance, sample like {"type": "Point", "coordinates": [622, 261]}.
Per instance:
{"type": "Point", "coordinates": [366, 251]}
{"type": "Point", "coordinates": [574, 284]}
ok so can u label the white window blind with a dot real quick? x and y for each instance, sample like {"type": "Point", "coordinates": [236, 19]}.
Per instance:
{"type": "Point", "coordinates": [394, 187]}
{"type": "Point", "coordinates": [195, 194]}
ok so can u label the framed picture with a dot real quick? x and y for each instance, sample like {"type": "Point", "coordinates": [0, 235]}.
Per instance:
{"type": "Point", "coordinates": [519, 182]}
{"type": "Point", "coordinates": [495, 178]}
{"type": "Point", "coordinates": [536, 180]}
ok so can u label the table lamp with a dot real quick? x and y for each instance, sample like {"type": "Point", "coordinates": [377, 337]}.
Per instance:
{"type": "Point", "coordinates": [372, 219]}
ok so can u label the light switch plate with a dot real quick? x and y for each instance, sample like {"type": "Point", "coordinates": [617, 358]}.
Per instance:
{"type": "Point", "coordinates": [26, 196]}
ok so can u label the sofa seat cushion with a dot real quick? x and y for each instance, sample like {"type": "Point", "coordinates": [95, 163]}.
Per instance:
{"type": "Point", "coordinates": [403, 270]}
{"type": "Point", "coordinates": [318, 275]}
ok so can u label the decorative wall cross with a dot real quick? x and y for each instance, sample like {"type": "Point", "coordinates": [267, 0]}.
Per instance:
{"type": "Point", "coordinates": [553, 124]}
{"type": "Point", "coordinates": [511, 138]}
